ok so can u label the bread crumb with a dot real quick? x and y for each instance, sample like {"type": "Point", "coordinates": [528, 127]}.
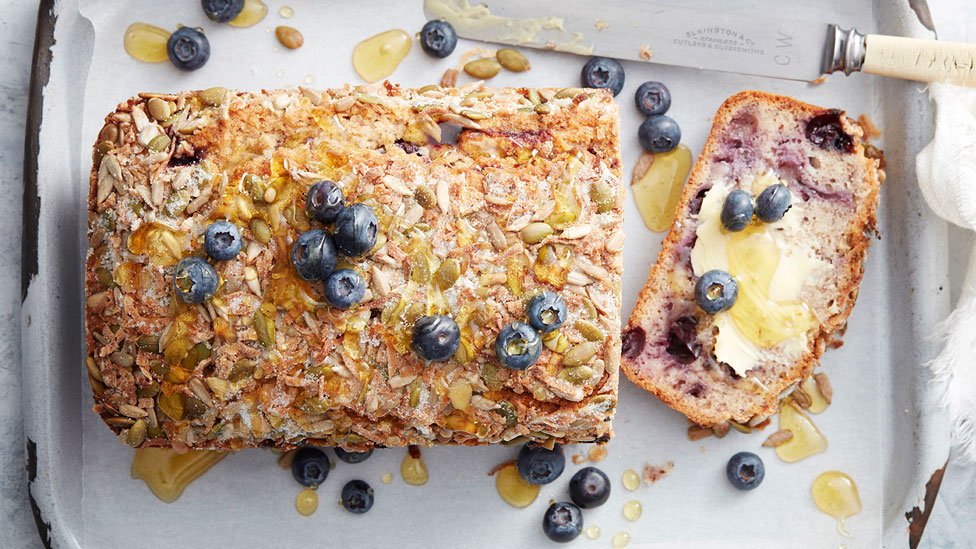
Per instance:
{"type": "Point", "coordinates": [645, 52]}
{"type": "Point", "coordinates": [600, 24]}
{"type": "Point", "coordinates": [870, 130]}
{"type": "Point", "coordinates": [654, 473]}
{"type": "Point", "coordinates": [819, 81]}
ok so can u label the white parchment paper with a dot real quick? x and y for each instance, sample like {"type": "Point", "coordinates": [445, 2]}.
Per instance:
{"type": "Point", "coordinates": [247, 501]}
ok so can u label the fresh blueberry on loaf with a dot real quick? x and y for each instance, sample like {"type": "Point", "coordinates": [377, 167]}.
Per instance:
{"type": "Point", "coordinates": [797, 263]}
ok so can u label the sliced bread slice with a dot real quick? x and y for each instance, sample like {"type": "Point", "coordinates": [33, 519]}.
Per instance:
{"type": "Point", "coordinates": [797, 277]}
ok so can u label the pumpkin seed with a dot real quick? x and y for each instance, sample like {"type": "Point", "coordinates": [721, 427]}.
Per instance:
{"type": "Point", "coordinates": [159, 109]}
{"type": "Point", "coordinates": [109, 132]}
{"type": "Point", "coordinates": [242, 370]}
{"type": "Point", "coordinates": [193, 407]}
{"type": "Point", "coordinates": [543, 109]}
{"type": "Point", "coordinates": [721, 429]}
{"type": "Point", "coordinates": [567, 92]}
{"type": "Point", "coordinates": [414, 394]}
{"type": "Point", "coordinates": [697, 432]}
{"type": "Point", "coordinates": [93, 370]}
{"type": "Point", "coordinates": [740, 427]}
{"type": "Point", "coordinates": [580, 354]}
{"type": "Point", "coordinates": [137, 434]}
{"type": "Point", "coordinates": [602, 195]}
{"type": "Point", "coordinates": [212, 96]}
{"type": "Point", "coordinates": [512, 60]}
{"type": "Point", "coordinates": [148, 391]}
{"type": "Point", "coordinates": [534, 233]}
{"type": "Point", "coordinates": [260, 230]}
{"type": "Point", "coordinates": [368, 99]}
{"type": "Point", "coordinates": [489, 375]}
{"type": "Point", "coordinates": [447, 274]}
{"type": "Point", "coordinates": [506, 409]}
{"type": "Point", "coordinates": [534, 96]}
{"type": "Point", "coordinates": [315, 405]}
{"type": "Point", "coordinates": [428, 88]}
{"type": "Point", "coordinates": [289, 37]}
{"type": "Point", "coordinates": [589, 308]}
{"type": "Point", "coordinates": [158, 368]}
{"type": "Point", "coordinates": [577, 375]}
{"type": "Point", "coordinates": [105, 277]}
{"type": "Point", "coordinates": [155, 431]}
{"type": "Point", "coordinates": [557, 343]}
{"type": "Point", "coordinates": [483, 68]}
{"type": "Point", "coordinates": [425, 196]}
{"type": "Point", "coordinates": [149, 342]}
{"type": "Point", "coordinates": [473, 114]}
{"type": "Point", "coordinates": [264, 328]}
{"type": "Point", "coordinates": [589, 330]}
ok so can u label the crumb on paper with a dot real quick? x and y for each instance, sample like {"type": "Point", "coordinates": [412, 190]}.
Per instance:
{"type": "Point", "coordinates": [579, 458]}
{"type": "Point", "coordinates": [701, 448]}
{"type": "Point", "coordinates": [600, 24]}
{"type": "Point", "coordinates": [597, 453]}
{"type": "Point", "coordinates": [870, 130]}
{"type": "Point", "coordinates": [550, 45]}
{"type": "Point", "coordinates": [654, 473]}
{"type": "Point", "coordinates": [645, 52]}
{"type": "Point", "coordinates": [819, 81]}
{"type": "Point", "coordinates": [761, 425]}
{"type": "Point", "coordinates": [501, 466]}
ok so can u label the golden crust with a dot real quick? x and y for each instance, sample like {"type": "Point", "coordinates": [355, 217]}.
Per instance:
{"type": "Point", "coordinates": [219, 375]}
{"type": "Point", "coordinates": [719, 395]}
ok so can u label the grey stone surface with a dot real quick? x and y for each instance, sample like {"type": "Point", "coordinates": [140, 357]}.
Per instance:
{"type": "Point", "coordinates": [17, 21]}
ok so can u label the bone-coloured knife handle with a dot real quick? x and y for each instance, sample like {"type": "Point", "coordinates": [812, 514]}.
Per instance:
{"type": "Point", "coordinates": [924, 60]}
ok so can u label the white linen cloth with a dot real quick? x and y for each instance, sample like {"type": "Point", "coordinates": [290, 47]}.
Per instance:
{"type": "Point", "coordinates": [946, 170]}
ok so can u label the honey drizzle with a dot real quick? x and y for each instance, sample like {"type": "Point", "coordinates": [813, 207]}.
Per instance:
{"type": "Point", "coordinates": [513, 489]}
{"type": "Point", "coordinates": [807, 439]}
{"type": "Point", "coordinates": [251, 14]}
{"type": "Point", "coordinates": [657, 191]}
{"type": "Point", "coordinates": [413, 469]}
{"type": "Point", "coordinates": [167, 473]}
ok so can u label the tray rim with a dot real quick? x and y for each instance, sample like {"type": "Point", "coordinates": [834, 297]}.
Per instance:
{"type": "Point", "coordinates": [47, 503]}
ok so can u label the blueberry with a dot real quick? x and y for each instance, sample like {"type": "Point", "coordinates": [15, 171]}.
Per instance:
{"type": "Point", "coordinates": [222, 240]}
{"type": "Point", "coordinates": [562, 522]}
{"type": "Point", "coordinates": [737, 210]}
{"type": "Point", "coordinates": [438, 39]}
{"type": "Point", "coordinates": [603, 72]}
{"type": "Point", "coordinates": [222, 11]}
{"type": "Point", "coordinates": [745, 470]}
{"type": "Point", "coordinates": [716, 291]}
{"type": "Point", "coordinates": [773, 203]}
{"type": "Point", "coordinates": [344, 288]}
{"type": "Point", "coordinates": [547, 312]}
{"type": "Point", "coordinates": [313, 255]}
{"type": "Point", "coordinates": [653, 98]}
{"type": "Point", "coordinates": [435, 338]}
{"type": "Point", "coordinates": [352, 457]}
{"type": "Point", "coordinates": [589, 487]}
{"type": "Point", "coordinates": [518, 346]}
{"type": "Point", "coordinates": [355, 230]}
{"type": "Point", "coordinates": [659, 134]}
{"type": "Point", "coordinates": [827, 132]}
{"type": "Point", "coordinates": [310, 466]}
{"type": "Point", "coordinates": [357, 496]}
{"type": "Point", "coordinates": [683, 342]}
{"type": "Point", "coordinates": [195, 280]}
{"type": "Point", "coordinates": [324, 201]}
{"type": "Point", "coordinates": [188, 49]}
{"type": "Point", "coordinates": [537, 465]}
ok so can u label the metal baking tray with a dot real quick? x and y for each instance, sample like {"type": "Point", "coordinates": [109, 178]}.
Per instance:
{"type": "Point", "coordinates": [885, 427]}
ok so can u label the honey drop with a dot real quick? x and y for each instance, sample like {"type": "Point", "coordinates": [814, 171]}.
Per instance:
{"type": "Point", "coordinates": [513, 489]}
{"type": "Point", "coordinates": [621, 540]}
{"type": "Point", "coordinates": [657, 191]}
{"type": "Point", "coordinates": [307, 502]}
{"type": "Point", "coordinates": [378, 56]}
{"type": "Point", "coordinates": [633, 510]}
{"type": "Point", "coordinates": [836, 494]}
{"type": "Point", "coordinates": [818, 402]}
{"type": "Point", "coordinates": [413, 469]}
{"type": "Point", "coordinates": [593, 532]}
{"type": "Point", "coordinates": [146, 42]}
{"type": "Point", "coordinates": [251, 14]}
{"type": "Point", "coordinates": [631, 480]}
{"type": "Point", "coordinates": [807, 439]}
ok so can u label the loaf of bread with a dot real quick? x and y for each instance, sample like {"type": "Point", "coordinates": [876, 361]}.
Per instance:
{"type": "Point", "coordinates": [797, 277]}
{"type": "Point", "coordinates": [484, 198]}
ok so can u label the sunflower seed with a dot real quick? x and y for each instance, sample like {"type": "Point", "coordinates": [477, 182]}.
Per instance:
{"type": "Point", "coordinates": [777, 438]}
{"type": "Point", "coordinates": [823, 385]}
{"type": "Point", "coordinates": [697, 432]}
{"type": "Point", "coordinates": [199, 201]}
{"type": "Point", "coordinates": [443, 195]}
{"type": "Point", "coordinates": [577, 278]}
{"type": "Point", "coordinates": [463, 121]}
{"type": "Point", "coordinates": [139, 118]}
{"type": "Point", "coordinates": [380, 283]}
{"type": "Point", "coordinates": [616, 242]}
{"type": "Point", "coordinates": [343, 104]}
{"type": "Point", "coordinates": [802, 398]}
{"type": "Point", "coordinates": [134, 412]}
{"type": "Point", "coordinates": [576, 231]}
{"type": "Point", "coordinates": [200, 391]}
{"type": "Point", "coordinates": [93, 369]}
{"type": "Point", "coordinates": [496, 236]}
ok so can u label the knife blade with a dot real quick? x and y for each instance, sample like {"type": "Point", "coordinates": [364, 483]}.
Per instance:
{"type": "Point", "coordinates": [748, 44]}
